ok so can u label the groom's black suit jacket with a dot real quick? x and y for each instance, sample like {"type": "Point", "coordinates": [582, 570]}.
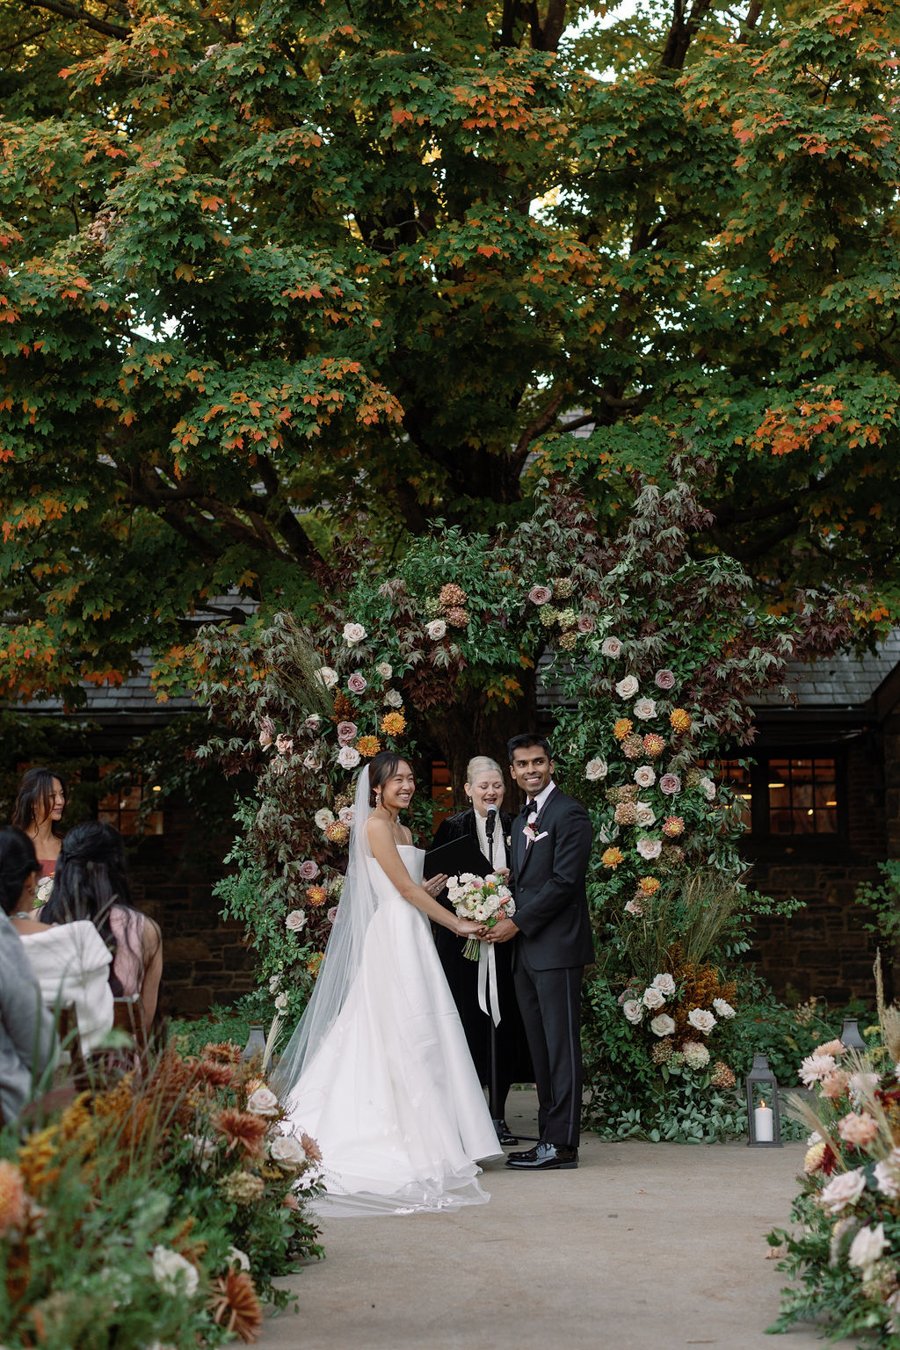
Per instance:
{"type": "Point", "coordinates": [549, 884]}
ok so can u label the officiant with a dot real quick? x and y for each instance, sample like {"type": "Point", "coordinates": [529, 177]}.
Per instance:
{"type": "Point", "coordinates": [500, 1053]}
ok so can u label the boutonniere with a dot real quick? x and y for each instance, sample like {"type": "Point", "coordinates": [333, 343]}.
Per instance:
{"type": "Point", "coordinates": [529, 833]}
{"type": "Point", "coordinates": [507, 842]}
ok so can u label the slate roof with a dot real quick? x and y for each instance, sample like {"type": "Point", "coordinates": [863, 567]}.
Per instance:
{"type": "Point", "coordinates": [135, 698]}
{"type": "Point", "coordinates": [861, 686]}
{"type": "Point", "coordinates": [842, 682]}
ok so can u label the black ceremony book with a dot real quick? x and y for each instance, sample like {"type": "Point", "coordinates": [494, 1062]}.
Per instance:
{"type": "Point", "coordinates": [460, 855]}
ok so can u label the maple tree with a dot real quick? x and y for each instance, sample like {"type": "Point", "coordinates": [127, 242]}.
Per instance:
{"type": "Point", "coordinates": [268, 269]}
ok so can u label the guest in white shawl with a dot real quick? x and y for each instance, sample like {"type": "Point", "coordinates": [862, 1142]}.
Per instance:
{"type": "Point", "coordinates": [70, 961]}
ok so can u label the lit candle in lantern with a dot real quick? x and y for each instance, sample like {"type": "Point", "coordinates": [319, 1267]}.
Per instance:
{"type": "Point", "coordinates": [763, 1123]}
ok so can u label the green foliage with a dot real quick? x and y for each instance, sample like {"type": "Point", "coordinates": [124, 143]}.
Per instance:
{"type": "Point", "coordinates": [883, 900]}
{"type": "Point", "coordinates": [264, 277]}
{"type": "Point", "coordinates": [133, 1201]}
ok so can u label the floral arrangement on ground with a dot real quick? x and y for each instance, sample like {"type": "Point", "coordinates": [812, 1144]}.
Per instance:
{"type": "Point", "coordinates": [154, 1212]}
{"type": "Point", "coordinates": [846, 1251]}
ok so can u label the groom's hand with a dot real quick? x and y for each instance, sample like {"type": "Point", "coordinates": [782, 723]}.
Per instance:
{"type": "Point", "coordinates": [502, 931]}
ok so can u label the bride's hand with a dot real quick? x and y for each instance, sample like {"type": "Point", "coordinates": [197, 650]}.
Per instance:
{"type": "Point", "coordinates": [467, 928]}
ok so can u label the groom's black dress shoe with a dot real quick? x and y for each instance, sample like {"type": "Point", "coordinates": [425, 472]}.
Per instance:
{"type": "Point", "coordinates": [544, 1157]}
{"type": "Point", "coordinates": [504, 1133]}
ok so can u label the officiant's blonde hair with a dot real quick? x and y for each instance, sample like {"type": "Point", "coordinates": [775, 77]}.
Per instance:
{"type": "Point", "coordinates": [481, 764]}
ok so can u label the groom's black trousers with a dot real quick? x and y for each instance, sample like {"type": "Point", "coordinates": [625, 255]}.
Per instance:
{"type": "Point", "coordinates": [550, 1003]}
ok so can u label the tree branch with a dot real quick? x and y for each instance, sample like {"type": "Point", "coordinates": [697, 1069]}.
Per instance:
{"type": "Point", "coordinates": [683, 31]}
{"type": "Point", "coordinates": [536, 427]}
{"type": "Point", "coordinates": [290, 527]}
{"type": "Point", "coordinates": [113, 30]}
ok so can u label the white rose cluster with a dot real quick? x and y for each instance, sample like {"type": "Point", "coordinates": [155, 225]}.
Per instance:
{"type": "Point", "coordinates": [174, 1273]}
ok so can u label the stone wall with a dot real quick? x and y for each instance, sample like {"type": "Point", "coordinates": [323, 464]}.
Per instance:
{"type": "Point", "coordinates": [172, 875]}
{"type": "Point", "coordinates": [824, 950]}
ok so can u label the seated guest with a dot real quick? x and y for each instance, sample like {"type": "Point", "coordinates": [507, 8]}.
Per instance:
{"type": "Point", "coordinates": [70, 961]}
{"type": "Point", "coordinates": [38, 811]}
{"type": "Point", "coordinates": [90, 883]}
{"type": "Point", "coordinates": [501, 1056]}
{"type": "Point", "coordinates": [27, 1035]}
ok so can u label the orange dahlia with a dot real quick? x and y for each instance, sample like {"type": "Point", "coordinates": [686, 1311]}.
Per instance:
{"type": "Point", "coordinates": [336, 831]}
{"type": "Point", "coordinates": [242, 1129]}
{"type": "Point", "coordinates": [621, 728]}
{"type": "Point", "coordinates": [234, 1304]}
{"type": "Point", "coordinates": [680, 720]}
{"type": "Point", "coordinates": [612, 857]}
{"type": "Point", "coordinates": [316, 896]}
{"type": "Point", "coordinates": [393, 724]}
{"type": "Point", "coordinates": [311, 1148]}
{"type": "Point", "coordinates": [214, 1072]}
{"type": "Point", "coordinates": [313, 963]}
{"type": "Point", "coordinates": [648, 885]}
{"type": "Point", "coordinates": [368, 746]}
{"type": "Point", "coordinates": [224, 1050]}
{"type": "Point", "coordinates": [12, 1197]}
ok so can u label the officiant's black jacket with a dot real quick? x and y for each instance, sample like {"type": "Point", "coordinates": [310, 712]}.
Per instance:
{"type": "Point", "coordinates": [549, 885]}
{"type": "Point", "coordinates": [458, 826]}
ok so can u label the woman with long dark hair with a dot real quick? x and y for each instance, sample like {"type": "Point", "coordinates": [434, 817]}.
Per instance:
{"type": "Point", "coordinates": [70, 961]}
{"type": "Point", "coordinates": [378, 1070]}
{"type": "Point", "coordinates": [91, 883]}
{"type": "Point", "coordinates": [40, 803]}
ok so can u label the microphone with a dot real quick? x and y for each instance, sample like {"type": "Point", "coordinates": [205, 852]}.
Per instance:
{"type": "Point", "coordinates": [490, 822]}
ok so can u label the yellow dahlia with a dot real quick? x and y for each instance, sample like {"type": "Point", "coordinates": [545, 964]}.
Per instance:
{"type": "Point", "coordinates": [316, 896]}
{"type": "Point", "coordinates": [622, 727]}
{"type": "Point", "coordinates": [612, 857]}
{"type": "Point", "coordinates": [680, 720]}
{"type": "Point", "coordinates": [815, 1156]}
{"type": "Point", "coordinates": [393, 724]}
{"type": "Point", "coordinates": [38, 1159]}
{"type": "Point", "coordinates": [368, 746]}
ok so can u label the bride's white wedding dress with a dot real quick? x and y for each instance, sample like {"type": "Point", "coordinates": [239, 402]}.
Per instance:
{"type": "Point", "coordinates": [391, 1095]}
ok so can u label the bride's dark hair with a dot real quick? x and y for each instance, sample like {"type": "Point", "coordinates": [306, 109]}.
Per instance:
{"type": "Point", "coordinates": [381, 769]}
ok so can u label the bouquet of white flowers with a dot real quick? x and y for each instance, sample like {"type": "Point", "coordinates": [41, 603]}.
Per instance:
{"type": "Point", "coordinates": [487, 900]}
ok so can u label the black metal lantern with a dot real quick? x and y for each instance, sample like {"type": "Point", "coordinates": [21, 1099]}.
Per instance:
{"type": "Point", "coordinates": [763, 1113]}
{"type": "Point", "coordinates": [851, 1036]}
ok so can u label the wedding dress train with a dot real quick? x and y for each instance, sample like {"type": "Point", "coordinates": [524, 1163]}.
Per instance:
{"type": "Point", "coordinates": [391, 1095]}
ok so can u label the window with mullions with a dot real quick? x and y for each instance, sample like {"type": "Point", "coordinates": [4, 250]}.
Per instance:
{"type": "Point", "coordinates": [785, 797]}
{"type": "Point", "coordinates": [127, 812]}
{"type": "Point", "coordinates": [802, 796]}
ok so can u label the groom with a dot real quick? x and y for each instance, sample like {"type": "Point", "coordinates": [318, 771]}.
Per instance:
{"type": "Point", "coordinates": [551, 844]}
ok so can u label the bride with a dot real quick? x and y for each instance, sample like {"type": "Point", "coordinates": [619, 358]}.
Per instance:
{"type": "Point", "coordinates": [378, 1070]}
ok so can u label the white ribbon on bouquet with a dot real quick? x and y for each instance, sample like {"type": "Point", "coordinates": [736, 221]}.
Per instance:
{"type": "Point", "coordinates": [487, 982]}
